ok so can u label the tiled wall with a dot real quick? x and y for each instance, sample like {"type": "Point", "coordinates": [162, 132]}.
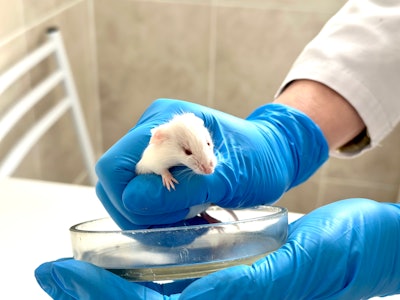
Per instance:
{"type": "Point", "coordinates": [23, 24]}
{"type": "Point", "coordinates": [231, 55]}
{"type": "Point", "coordinates": [228, 54]}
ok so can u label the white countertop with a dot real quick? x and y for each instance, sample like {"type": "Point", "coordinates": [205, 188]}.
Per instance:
{"type": "Point", "coordinates": [35, 217]}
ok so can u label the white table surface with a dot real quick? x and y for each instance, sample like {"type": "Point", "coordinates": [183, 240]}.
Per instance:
{"type": "Point", "coordinates": [35, 217]}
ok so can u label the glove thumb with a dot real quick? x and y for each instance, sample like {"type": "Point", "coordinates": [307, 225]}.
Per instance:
{"type": "Point", "coordinates": [70, 279]}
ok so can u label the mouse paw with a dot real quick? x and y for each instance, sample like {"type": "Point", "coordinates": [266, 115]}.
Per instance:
{"type": "Point", "coordinates": [168, 180]}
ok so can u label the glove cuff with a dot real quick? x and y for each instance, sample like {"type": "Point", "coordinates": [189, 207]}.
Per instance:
{"type": "Point", "coordinates": [308, 146]}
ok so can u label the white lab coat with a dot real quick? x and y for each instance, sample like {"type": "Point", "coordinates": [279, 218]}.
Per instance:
{"type": "Point", "coordinates": [357, 53]}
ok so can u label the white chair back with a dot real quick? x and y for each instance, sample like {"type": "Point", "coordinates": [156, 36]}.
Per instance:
{"type": "Point", "coordinates": [70, 103]}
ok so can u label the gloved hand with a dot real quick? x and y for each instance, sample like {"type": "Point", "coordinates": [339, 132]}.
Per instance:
{"type": "Point", "coordinates": [346, 250]}
{"type": "Point", "coordinates": [260, 158]}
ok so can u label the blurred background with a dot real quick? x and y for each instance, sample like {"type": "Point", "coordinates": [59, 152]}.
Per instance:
{"type": "Point", "coordinates": [228, 54]}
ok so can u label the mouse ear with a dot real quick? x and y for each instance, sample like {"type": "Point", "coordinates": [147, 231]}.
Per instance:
{"type": "Point", "coordinates": [199, 121]}
{"type": "Point", "coordinates": [191, 117]}
{"type": "Point", "coordinates": [158, 135]}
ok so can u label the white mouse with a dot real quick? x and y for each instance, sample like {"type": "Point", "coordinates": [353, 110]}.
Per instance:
{"type": "Point", "coordinates": [184, 140]}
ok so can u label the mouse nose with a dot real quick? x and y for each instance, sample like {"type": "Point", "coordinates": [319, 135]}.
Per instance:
{"type": "Point", "coordinates": [208, 169]}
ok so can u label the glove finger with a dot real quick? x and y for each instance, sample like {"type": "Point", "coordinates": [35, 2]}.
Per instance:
{"type": "Point", "coordinates": [82, 280]}
{"type": "Point", "coordinates": [149, 202]}
{"type": "Point", "coordinates": [121, 217]}
{"type": "Point", "coordinates": [48, 283]}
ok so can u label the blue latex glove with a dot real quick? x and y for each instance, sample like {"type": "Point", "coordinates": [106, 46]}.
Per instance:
{"type": "Point", "coordinates": [260, 158]}
{"type": "Point", "coordinates": [345, 250]}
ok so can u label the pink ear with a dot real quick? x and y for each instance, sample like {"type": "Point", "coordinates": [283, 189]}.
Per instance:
{"type": "Point", "coordinates": [158, 135]}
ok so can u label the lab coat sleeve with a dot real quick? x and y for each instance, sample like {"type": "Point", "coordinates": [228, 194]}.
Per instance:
{"type": "Point", "coordinates": [357, 54]}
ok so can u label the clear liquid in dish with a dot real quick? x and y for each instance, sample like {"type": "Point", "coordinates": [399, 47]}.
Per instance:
{"type": "Point", "coordinates": [182, 272]}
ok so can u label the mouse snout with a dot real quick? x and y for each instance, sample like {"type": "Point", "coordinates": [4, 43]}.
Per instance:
{"type": "Point", "coordinates": [208, 168]}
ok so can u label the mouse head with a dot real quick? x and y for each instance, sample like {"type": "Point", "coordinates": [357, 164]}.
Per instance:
{"type": "Point", "coordinates": [185, 140]}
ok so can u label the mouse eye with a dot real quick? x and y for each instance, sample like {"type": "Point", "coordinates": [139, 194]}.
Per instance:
{"type": "Point", "coordinates": [187, 151]}
{"type": "Point", "coordinates": [208, 144]}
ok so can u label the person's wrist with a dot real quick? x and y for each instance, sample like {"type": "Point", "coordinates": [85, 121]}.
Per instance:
{"type": "Point", "coordinates": [337, 118]}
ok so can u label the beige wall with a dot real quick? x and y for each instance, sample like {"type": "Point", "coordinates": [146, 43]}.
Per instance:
{"type": "Point", "coordinates": [228, 54]}
{"type": "Point", "coordinates": [231, 55]}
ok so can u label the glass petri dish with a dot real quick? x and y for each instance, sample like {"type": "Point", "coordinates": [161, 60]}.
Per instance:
{"type": "Point", "coordinates": [240, 237]}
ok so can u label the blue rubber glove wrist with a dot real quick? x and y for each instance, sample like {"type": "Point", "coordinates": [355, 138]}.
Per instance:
{"type": "Point", "coordinates": [299, 140]}
{"type": "Point", "coordinates": [346, 250]}
{"type": "Point", "coordinates": [260, 158]}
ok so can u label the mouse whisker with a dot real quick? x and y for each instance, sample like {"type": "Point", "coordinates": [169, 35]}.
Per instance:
{"type": "Point", "coordinates": [184, 172]}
